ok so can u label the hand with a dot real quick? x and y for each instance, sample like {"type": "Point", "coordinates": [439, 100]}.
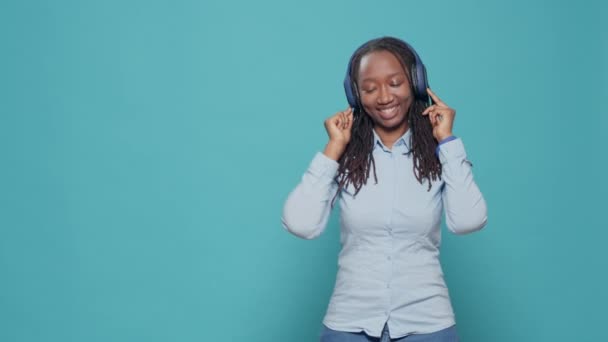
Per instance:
{"type": "Point", "coordinates": [338, 128]}
{"type": "Point", "coordinates": [441, 116]}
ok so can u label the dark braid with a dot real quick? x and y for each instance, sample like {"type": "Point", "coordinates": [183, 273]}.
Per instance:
{"type": "Point", "coordinates": [357, 160]}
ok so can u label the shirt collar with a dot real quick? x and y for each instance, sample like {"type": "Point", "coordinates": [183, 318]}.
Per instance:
{"type": "Point", "coordinates": [402, 143]}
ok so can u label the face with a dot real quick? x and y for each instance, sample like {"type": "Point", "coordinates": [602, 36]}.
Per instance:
{"type": "Point", "coordinates": [384, 90]}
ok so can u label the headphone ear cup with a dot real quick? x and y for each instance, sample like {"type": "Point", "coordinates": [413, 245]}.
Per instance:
{"type": "Point", "coordinates": [425, 84]}
{"type": "Point", "coordinates": [357, 97]}
{"type": "Point", "coordinates": [414, 74]}
{"type": "Point", "coordinates": [351, 96]}
{"type": "Point", "coordinates": [420, 81]}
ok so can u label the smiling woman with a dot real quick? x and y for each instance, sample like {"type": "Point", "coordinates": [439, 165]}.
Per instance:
{"type": "Point", "coordinates": [390, 282]}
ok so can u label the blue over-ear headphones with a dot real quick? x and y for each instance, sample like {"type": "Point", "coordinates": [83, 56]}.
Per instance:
{"type": "Point", "coordinates": [418, 74]}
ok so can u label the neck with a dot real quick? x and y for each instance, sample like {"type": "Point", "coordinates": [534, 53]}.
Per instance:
{"type": "Point", "coordinates": [389, 136]}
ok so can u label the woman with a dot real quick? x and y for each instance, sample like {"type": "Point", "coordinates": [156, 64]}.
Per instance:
{"type": "Point", "coordinates": [390, 283]}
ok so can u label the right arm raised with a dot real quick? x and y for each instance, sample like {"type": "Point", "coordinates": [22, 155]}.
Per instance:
{"type": "Point", "coordinates": [307, 208]}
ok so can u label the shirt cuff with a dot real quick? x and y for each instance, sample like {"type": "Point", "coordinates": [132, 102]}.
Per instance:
{"type": "Point", "coordinates": [452, 151]}
{"type": "Point", "coordinates": [450, 138]}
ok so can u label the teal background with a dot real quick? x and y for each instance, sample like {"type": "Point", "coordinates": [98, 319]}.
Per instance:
{"type": "Point", "coordinates": [147, 148]}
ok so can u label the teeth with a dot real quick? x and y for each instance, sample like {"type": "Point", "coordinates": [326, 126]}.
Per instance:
{"type": "Point", "coordinates": [388, 110]}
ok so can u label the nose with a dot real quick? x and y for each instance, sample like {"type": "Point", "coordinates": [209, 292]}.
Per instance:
{"type": "Point", "coordinates": [384, 96]}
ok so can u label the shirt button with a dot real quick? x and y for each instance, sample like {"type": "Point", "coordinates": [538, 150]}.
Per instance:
{"type": "Point", "coordinates": [388, 257]}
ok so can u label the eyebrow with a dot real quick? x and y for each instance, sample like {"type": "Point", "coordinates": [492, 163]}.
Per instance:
{"type": "Point", "coordinates": [389, 76]}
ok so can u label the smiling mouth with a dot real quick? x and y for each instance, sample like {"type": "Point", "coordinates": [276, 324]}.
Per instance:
{"type": "Point", "coordinates": [389, 113]}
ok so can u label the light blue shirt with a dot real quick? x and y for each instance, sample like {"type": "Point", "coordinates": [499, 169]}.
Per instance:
{"type": "Point", "coordinates": [388, 267]}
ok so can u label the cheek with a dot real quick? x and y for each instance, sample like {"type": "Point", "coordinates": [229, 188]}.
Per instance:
{"type": "Point", "coordinates": [404, 94]}
{"type": "Point", "coordinates": [406, 97]}
{"type": "Point", "coordinates": [408, 101]}
{"type": "Point", "coordinates": [368, 102]}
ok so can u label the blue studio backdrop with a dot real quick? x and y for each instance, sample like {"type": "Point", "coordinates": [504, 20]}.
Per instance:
{"type": "Point", "coordinates": [147, 148]}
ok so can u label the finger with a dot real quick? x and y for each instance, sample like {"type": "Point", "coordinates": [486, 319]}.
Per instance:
{"type": "Point", "coordinates": [337, 122]}
{"type": "Point", "coordinates": [435, 97]}
{"type": "Point", "coordinates": [440, 117]}
{"type": "Point", "coordinates": [434, 108]}
{"type": "Point", "coordinates": [344, 112]}
{"type": "Point", "coordinates": [337, 115]}
{"type": "Point", "coordinates": [430, 116]}
{"type": "Point", "coordinates": [349, 124]}
{"type": "Point", "coordinates": [430, 108]}
{"type": "Point", "coordinates": [445, 111]}
{"type": "Point", "coordinates": [435, 116]}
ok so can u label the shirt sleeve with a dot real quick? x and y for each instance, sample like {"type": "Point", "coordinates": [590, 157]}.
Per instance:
{"type": "Point", "coordinates": [464, 204]}
{"type": "Point", "coordinates": [450, 138]}
{"type": "Point", "coordinates": [308, 206]}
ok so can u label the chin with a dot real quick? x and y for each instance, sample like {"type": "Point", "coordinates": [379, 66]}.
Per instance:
{"type": "Point", "coordinates": [392, 124]}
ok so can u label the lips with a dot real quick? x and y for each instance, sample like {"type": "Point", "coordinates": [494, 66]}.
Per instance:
{"type": "Point", "coordinates": [389, 112]}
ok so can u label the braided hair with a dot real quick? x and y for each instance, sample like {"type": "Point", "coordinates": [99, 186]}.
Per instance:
{"type": "Point", "coordinates": [357, 160]}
